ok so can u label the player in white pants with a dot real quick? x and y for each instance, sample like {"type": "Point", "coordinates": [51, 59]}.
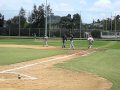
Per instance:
{"type": "Point", "coordinates": [46, 41]}
{"type": "Point", "coordinates": [90, 41]}
{"type": "Point", "coordinates": [71, 42]}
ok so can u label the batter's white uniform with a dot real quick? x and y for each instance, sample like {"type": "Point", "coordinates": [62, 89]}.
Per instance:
{"type": "Point", "coordinates": [45, 41]}
{"type": "Point", "coordinates": [90, 42]}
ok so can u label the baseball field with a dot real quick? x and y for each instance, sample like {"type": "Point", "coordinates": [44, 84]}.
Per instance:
{"type": "Point", "coordinates": [26, 65]}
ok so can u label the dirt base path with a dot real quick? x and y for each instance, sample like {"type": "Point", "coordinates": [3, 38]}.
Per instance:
{"type": "Point", "coordinates": [27, 46]}
{"type": "Point", "coordinates": [41, 75]}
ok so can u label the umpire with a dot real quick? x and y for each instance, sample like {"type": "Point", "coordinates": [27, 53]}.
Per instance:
{"type": "Point", "coordinates": [64, 38]}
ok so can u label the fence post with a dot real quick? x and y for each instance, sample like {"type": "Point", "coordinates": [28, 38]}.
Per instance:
{"type": "Point", "coordinates": [39, 32]}
{"type": "Point", "coordinates": [29, 31]}
{"type": "Point", "coordinates": [9, 31]}
{"type": "Point", "coordinates": [60, 32]}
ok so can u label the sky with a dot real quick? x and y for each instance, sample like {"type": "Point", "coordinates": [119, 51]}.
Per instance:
{"type": "Point", "coordinates": [89, 9]}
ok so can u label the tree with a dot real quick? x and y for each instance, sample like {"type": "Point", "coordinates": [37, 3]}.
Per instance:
{"type": "Point", "coordinates": [70, 23]}
{"type": "Point", "coordinates": [98, 21]}
{"type": "Point", "coordinates": [41, 17]}
{"type": "Point", "coordinates": [95, 33]}
{"type": "Point", "coordinates": [14, 22]}
{"type": "Point", "coordinates": [117, 21]}
{"type": "Point", "coordinates": [1, 20]}
{"type": "Point", "coordinates": [66, 22]}
{"type": "Point", "coordinates": [37, 17]}
{"type": "Point", "coordinates": [34, 16]}
{"type": "Point", "coordinates": [22, 18]}
{"type": "Point", "coordinates": [77, 20]}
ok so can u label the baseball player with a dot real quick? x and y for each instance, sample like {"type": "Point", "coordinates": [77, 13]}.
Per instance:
{"type": "Point", "coordinates": [64, 38]}
{"type": "Point", "coordinates": [90, 41]}
{"type": "Point", "coordinates": [71, 42]}
{"type": "Point", "coordinates": [46, 41]}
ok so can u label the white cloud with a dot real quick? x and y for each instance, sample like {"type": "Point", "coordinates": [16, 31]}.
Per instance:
{"type": "Point", "coordinates": [117, 5]}
{"type": "Point", "coordinates": [15, 4]}
{"type": "Point", "coordinates": [83, 2]}
{"type": "Point", "coordinates": [103, 7]}
{"type": "Point", "coordinates": [10, 8]}
{"type": "Point", "coordinates": [103, 4]}
{"type": "Point", "coordinates": [62, 7]}
{"type": "Point", "coordinates": [106, 6]}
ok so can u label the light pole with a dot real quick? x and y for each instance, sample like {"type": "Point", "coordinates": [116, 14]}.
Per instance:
{"type": "Point", "coordinates": [106, 25]}
{"type": "Point", "coordinates": [50, 21]}
{"type": "Point", "coordinates": [80, 24]}
{"type": "Point", "coordinates": [46, 37]}
{"type": "Point", "coordinates": [46, 19]}
{"type": "Point", "coordinates": [19, 24]}
{"type": "Point", "coordinates": [115, 23]}
{"type": "Point", "coordinates": [111, 22]}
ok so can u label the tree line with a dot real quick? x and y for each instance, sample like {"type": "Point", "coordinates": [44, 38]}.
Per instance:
{"type": "Point", "coordinates": [36, 19]}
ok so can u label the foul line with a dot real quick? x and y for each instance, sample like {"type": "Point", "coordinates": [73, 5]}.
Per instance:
{"type": "Point", "coordinates": [9, 70]}
{"type": "Point", "coordinates": [30, 65]}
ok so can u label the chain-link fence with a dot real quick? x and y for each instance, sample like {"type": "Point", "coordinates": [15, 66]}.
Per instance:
{"type": "Point", "coordinates": [108, 34]}
{"type": "Point", "coordinates": [39, 32]}
{"type": "Point", "coordinates": [90, 21]}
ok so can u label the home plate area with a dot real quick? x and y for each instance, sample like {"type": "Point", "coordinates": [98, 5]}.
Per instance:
{"type": "Point", "coordinates": [15, 76]}
{"type": "Point", "coordinates": [42, 75]}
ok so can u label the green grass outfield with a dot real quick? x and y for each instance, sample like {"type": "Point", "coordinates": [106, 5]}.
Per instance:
{"type": "Point", "coordinates": [104, 63]}
{"type": "Point", "coordinates": [17, 55]}
{"type": "Point", "coordinates": [58, 42]}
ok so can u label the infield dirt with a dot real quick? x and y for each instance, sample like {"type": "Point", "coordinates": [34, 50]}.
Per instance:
{"type": "Point", "coordinates": [49, 77]}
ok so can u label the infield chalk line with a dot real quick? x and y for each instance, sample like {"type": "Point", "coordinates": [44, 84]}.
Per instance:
{"type": "Point", "coordinates": [30, 65]}
{"type": "Point", "coordinates": [23, 76]}
{"type": "Point", "coordinates": [88, 53]}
